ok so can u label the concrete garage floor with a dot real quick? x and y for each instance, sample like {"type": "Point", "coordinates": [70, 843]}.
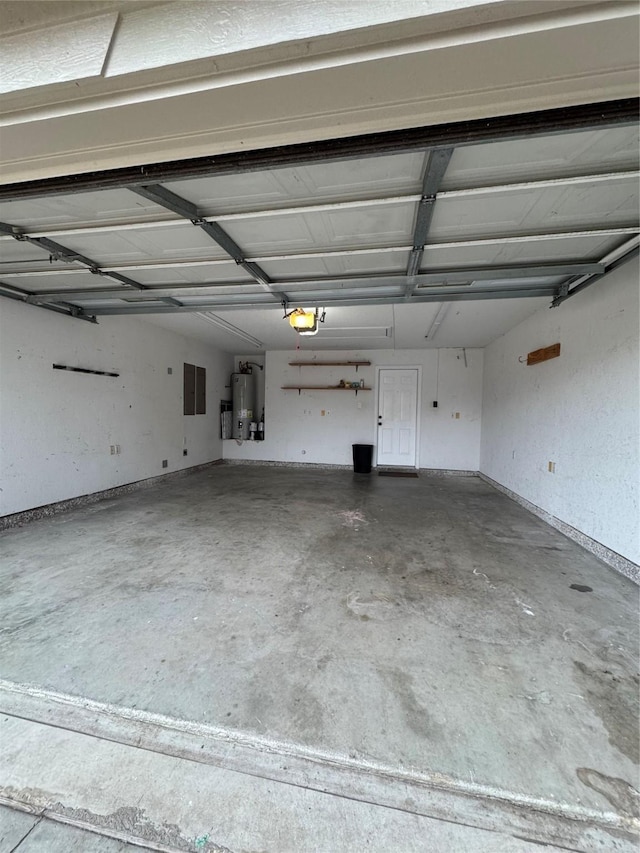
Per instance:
{"type": "Point", "coordinates": [409, 647]}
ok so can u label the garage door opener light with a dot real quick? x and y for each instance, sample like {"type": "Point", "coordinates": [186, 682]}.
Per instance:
{"type": "Point", "coordinates": [305, 322]}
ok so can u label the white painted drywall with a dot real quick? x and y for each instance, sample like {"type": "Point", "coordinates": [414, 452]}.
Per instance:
{"type": "Point", "coordinates": [580, 410]}
{"type": "Point", "coordinates": [56, 427]}
{"type": "Point", "coordinates": [297, 431]}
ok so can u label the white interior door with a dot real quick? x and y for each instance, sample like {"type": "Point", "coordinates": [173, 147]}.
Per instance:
{"type": "Point", "coordinates": [397, 416]}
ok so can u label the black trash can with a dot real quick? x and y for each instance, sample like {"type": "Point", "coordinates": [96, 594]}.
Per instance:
{"type": "Point", "coordinates": [362, 456]}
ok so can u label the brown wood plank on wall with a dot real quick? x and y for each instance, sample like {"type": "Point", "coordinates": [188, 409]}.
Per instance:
{"type": "Point", "coordinates": [201, 391]}
{"type": "Point", "coordinates": [543, 354]}
{"type": "Point", "coordinates": [189, 389]}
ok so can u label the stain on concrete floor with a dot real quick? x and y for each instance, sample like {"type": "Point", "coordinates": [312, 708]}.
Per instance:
{"type": "Point", "coordinates": [126, 820]}
{"type": "Point", "coordinates": [613, 696]}
{"type": "Point", "coordinates": [624, 798]}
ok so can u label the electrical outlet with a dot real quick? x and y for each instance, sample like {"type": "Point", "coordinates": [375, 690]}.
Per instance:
{"type": "Point", "coordinates": [322, 412]}
{"type": "Point", "coordinates": [117, 448]}
{"type": "Point", "coordinates": [112, 448]}
{"type": "Point", "coordinates": [552, 467]}
{"type": "Point", "coordinates": [169, 370]}
{"type": "Point", "coordinates": [165, 463]}
{"type": "Point", "coordinates": [184, 452]}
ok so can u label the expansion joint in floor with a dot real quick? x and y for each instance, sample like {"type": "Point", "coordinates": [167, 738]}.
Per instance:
{"type": "Point", "coordinates": [427, 794]}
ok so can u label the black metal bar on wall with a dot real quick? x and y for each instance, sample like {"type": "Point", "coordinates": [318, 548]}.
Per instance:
{"type": "Point", "coordinates": [84, 370]}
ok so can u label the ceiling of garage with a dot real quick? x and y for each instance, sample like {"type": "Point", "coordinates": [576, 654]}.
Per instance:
{"type": "Point", "coordinates": [383, 241]}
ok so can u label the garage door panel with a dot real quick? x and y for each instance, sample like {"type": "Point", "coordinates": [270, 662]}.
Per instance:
{"type": "Point", "coordinates": [586, 152]}
{"type": "Point", "coordinates": [535, 252]}
{"type": "Point", "coordinates": [370, 226]}
{"type": "Point", "coordinates": [183, 241]}
{"type": "Point", "coordinates": [529, 211]}
{"type": "Point", "coordinates": [79, 209]}
{"type": "Point", "coordinates": [387, 175]}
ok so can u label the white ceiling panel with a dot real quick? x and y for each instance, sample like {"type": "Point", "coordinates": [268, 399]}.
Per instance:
{"type": "Point", "coordinates": [38, 283]}
{"type": "Point", "coordinates": [80, 209]}
{"type": "Point", "coordinates": [382, 226]}
{"type": "Point", "coordinates": [391, 262]}
{"type": "Point", "coordinates": [269, 326]}
{"type": "Point", "coordinates": [272, 236]}
{"type": "Point", "coordinates": [14, 252]}
{"type": "Point", "coordinates": [534, 252]}
{"type": "Point", "coordinates": [345, 180]}
{"type": "Point", "coordinates": [143, 245]}
{"type": "Point", "coordinates": [193, 326]}
{"type": "Point", "coordinates": [187, 274]}
{"type": "Point", "coordinates": [534, 211]}
{"type": "Point", "coordinates": [296, 268]}
{"type": "Point", "coordinates": [387, 262]}
{"type": "Point", "coordinates": [465, 324]}
{"type": "Point", "coordinates": [558, 155]}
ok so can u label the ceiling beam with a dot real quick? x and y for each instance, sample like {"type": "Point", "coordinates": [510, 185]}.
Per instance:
{"type": "Point", "coordinates": [630, 252]}
{"type": "Point", "coordinates": [461, 276]}
{"type": "Point", "coordinates": [455, 134]}
{"type": "Point", "coordinates": [435, 167]}
{"type": "Point", "coordinates": [182, 290]}
{"type": "Point", "coordinates": [467, 294]}
{"type": "Point", "coordinates": [56, 251]}
{"type": "Point", "coordinates": [10, 292]}
{"type": "Point", "coordinates": [171, 201]}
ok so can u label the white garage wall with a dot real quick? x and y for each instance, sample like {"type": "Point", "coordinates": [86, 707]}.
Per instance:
{"type": "Point", "coordinates": [296, 431]}
{"type": "Point", "coordinates": [56, 427]}
{"type": "Point", "coordinates": [580, 411]}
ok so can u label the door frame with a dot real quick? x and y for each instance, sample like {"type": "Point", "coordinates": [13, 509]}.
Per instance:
{"type": "Point", "coordinates": [418, 369]}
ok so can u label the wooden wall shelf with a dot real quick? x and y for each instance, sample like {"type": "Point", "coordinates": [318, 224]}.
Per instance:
{"type": "Point", "coordinates": [300, 388]}
{"type": "Point", "coordinates": [355, 364]}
